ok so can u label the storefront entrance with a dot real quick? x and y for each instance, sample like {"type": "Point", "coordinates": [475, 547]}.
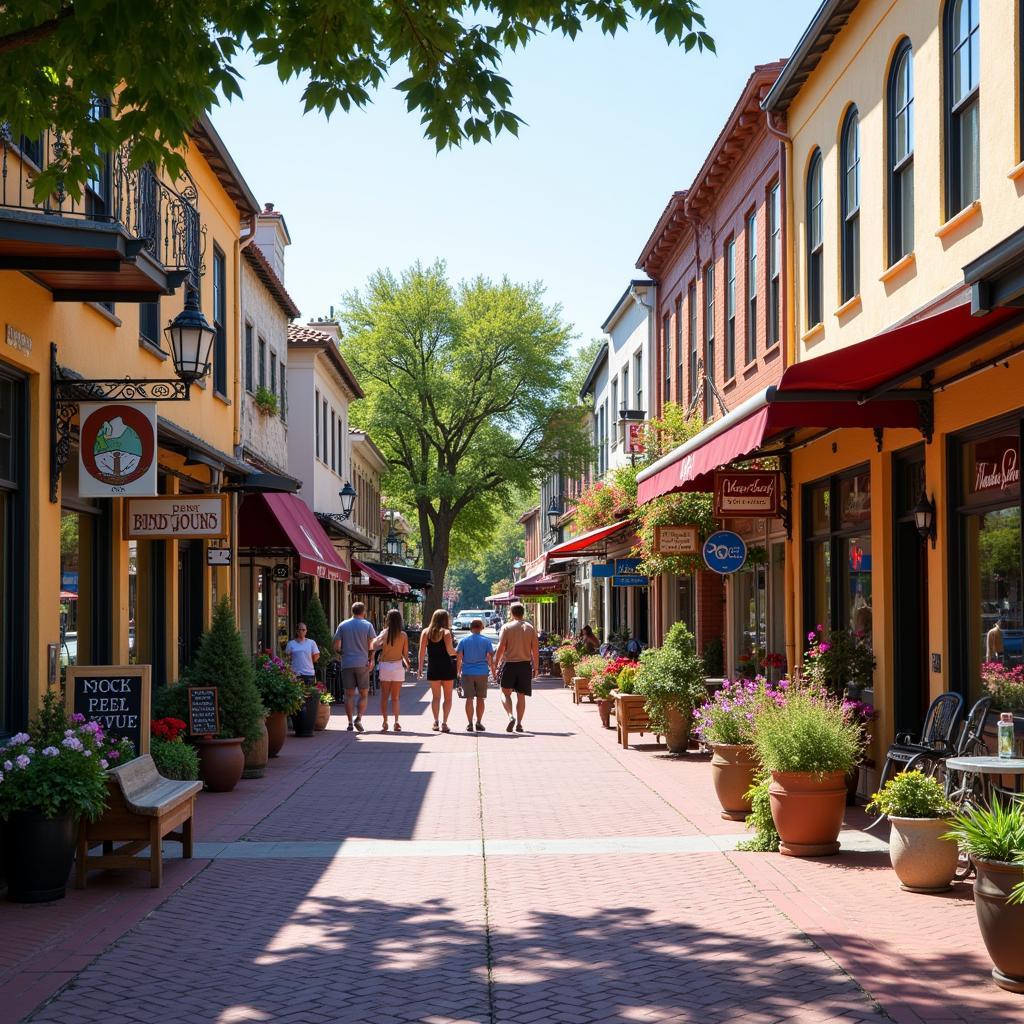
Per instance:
{"type": "Point", "coordinates": [190, 600]}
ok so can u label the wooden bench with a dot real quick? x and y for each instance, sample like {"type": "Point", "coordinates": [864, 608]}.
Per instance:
{"type": "Point", "coordinates": [580, 689]}
{"type": "Point", "coordinates": [142, 809]}
{"type": "Point", "coordinates": [630, 716]}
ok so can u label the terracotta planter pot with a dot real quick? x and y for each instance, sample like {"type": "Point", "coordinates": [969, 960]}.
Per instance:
{"type": "Point", "coordinates": [732, 771]}
{"type": "Point", "coordinates": [604, 709]}
{"type": "Point", "coordinates": [221, 763]}
{"type": "Point", "coordinates": [256, 755]}
{"type": "Point", "coordinates": [323, 716]}
{"type": "Point", "coordinates": [567, 673]}
{"type": "Point", "coordinates": [1001, 923]}
{"type": "Point", "coordinates": [677, 739]}
{"type": "Point", "coordinates": [808, 811]}
{"type": "Point", "coordinates": [922, 859]}
{"type": "Point", "coordinates": [277, 732]}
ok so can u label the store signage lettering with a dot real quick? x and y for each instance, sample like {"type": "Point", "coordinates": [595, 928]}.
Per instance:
{"type": "Point", "coordinates": [218, 556]}
{"type": "Point", "coordinates": [630, 580]}
{"type": "Point", "coordinates": [19, 340]}
{"type": "Point", "coordinates": [635, 438]}
{"type": "Point", "coordinates": [747, 493]}
{"type": "Point", "coordinates": [284, 572]}
{"type": "Point", "coordinates": [998, 471]}
{"type": "Point", "coordinates": [725, 552]}
{"type": "Point", "coordinates": [181, 517]}
{"type": "Point", "coordinates": [626, 566]}
{"type": "Point", "coordinates": [677, 540]}
{"type": "Point", "coordinates": [116, 696]}
{"type": "Point", "coordinates": [203, 711]}
{"type": "Point", "coordinates": [117, 449]}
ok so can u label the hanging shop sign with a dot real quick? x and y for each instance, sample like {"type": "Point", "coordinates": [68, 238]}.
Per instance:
{"type": "Point", "coordinates": [626, 574]}
{"type": "Point", "coordinates": [635, 438]}
{"type": "Point", "coordinates": [283, 571]}
{"type": "Point", "coordinates": [724, 552]}
{"type": "Point", "coordinates": [677, 540]}
{"type": "Point", "coordinates": [602, 570]}
{"type": "Point", "coordinates": [218, 556]}
{"type": "Point", "coordinates": [116, 696]}
{"type": "Point", "coordinates": [748, 493]}
{"type": "Point", "coordinates": [116, 449]}
{"type": "Point", "coordinates": [177, 517]}
{"type": "Point", "coordinates": [543, 599]}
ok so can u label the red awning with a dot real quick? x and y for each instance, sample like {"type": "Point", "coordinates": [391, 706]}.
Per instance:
{"type": "Point", "coordinates": [539, 585]}
{"type": "Point", "coordinates": [856, 386]}
{"type": "Point", "coordinates": [503, 598]}
{"type": "Point", "coordinates": [379, 583]}
{"type": "Point", "coordinates": [285, 521]}
{"type": "Point", "coordinates": [584, 543]}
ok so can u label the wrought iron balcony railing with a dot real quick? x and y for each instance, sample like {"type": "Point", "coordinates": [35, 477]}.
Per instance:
{"type": "Point", "coordinates": [165, 219]}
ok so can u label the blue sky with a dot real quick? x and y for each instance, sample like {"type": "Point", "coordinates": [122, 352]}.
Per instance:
{"type": "Point", "coordinates": [613, 127]}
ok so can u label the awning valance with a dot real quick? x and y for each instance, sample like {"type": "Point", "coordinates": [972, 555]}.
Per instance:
{"type": "Point", "coordinates": [857, 386]}
{"type": "Point", "coordinates": [280, 521]}
{"type": "Point", "coordinates": [539, 585]}
{"type": "Point", "coordinates": [379, 583]}
{"type": "Point", "coordinates": [587, 543]}
{"type": "Point", "coordinates": [503, 598]}
{"type": "Point", "coordinates": [418, 579]}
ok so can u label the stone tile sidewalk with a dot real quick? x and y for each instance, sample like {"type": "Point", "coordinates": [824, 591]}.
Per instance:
{"type": "Point", "coordinates": [494, 877]}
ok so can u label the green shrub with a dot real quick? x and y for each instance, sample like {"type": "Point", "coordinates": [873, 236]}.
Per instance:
{"type": "Point", "coordinates": [671, 677]}
{"type": "Point", "coordinates": [592, 665]}
{"type": "Point", "coordinates": [221, 661]}
{"type": "Point", "coordinates": [318, 630]}
{"type": "Point", "coordinates": [766, 836]}
{"type": "Point", "coordinates": [175, 759]}
{"type": "Point", "coordinates": [911, 795]}
{"type": "Point", "coordinates": [807, 732]}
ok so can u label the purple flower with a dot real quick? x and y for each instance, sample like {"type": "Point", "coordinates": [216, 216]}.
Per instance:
{"type": "Point", "coordinates": [78, 718]}
{"type": "Point", "coordinates": [50, 752]}
{"type": "Point", "coordinates": [104, 765]}
{"type": "Point", "coordinates": [18, 738]}
{"type": "Point", "coordinates": [8, 766]}
{"type": "Point", "coordinates": [22, 761]}
{"type": "Point", "coordinates": [1, 776]}
{"type": "Point", "coordinates": [114, 755]}
{"type": "Point", "coordinates": [72, 743]}
{"type": "Point", "coordinates": [825, 647]}
{"type": "Point", "coordinates": [87, 753]}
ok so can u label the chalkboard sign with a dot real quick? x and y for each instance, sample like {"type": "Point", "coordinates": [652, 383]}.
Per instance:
{"type": "Point", "coordinates": [116, 696]}
{"type": "Point", "coordinates": [203, 713]}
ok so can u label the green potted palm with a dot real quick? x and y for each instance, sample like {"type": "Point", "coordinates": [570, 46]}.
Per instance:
{"type": "Point", "coordinates": [282, 694]}
{"type": "Point", "coordinates": [922, 857]}
{"type": "Point", "coordinates": [994, 839]}
{"type": "Point", "coordinates": [671, 681]}
{"type": "Point", "coordinates": [807, 743]}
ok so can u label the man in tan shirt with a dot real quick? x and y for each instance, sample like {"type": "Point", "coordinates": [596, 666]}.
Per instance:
{"type": "Point", "coordinates": [517, 656]}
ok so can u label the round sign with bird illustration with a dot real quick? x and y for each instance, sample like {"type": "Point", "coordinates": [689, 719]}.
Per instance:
{"type": "Point", "coordinates": [117, 449]}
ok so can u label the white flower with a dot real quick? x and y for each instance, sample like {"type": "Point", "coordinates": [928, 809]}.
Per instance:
{"type": "Point", "coordinates": [72, 743]}
{"type": "Point", "coordinates": [87, 753]}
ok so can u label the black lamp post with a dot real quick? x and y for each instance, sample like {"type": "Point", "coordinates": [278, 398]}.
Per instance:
{"type": "Point", "coordinates": [924, 518]}
{"type": "Point", "coordinates": [554, 513]}
{"type": "Point", "coordinates": [190, 339]}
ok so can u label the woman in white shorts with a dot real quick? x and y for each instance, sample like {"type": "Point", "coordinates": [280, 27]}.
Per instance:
{"type": "Point", "coordinates": [393, 644]}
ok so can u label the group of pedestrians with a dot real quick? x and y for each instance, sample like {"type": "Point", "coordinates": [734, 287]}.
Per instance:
{"type": "Point", "coordinates": [472, 662]}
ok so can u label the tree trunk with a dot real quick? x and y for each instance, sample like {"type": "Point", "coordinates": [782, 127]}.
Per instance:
{"type": "Point", "coordinates": [436, 555]}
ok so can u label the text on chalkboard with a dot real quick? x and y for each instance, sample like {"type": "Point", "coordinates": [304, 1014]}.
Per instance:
{"type": "Point", "coordinates": [203, 713]}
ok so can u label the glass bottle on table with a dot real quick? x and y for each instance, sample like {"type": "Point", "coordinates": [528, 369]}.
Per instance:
{"type": "Point", "coordinates": [1005, 734]}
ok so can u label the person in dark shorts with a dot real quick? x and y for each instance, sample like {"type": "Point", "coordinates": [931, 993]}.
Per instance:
{"type": "Point", "coordinates": [517, 657]}
{"type": "Point", "coordinates": [352, 641]}
{"type": "Point", "coordinates": [475, 663]}
{"type": "Point", "coordinates": [437, 655]}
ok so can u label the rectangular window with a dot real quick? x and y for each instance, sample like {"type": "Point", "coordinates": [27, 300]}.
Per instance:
{"type": "Point", "coordinates": [326, 436]}
{"type": "Point", "coordinates": [666, 358]}
{"type": "Point", "coordinates": [316, 424]}
{"type": "Point", "coordinates": [249, 356]}
{"type": "Point", "coordinates": [614, 412]}
{"type": "Point", "coordinates": [341, 449]}
{"type": "Point", "coordinates": [220, 323]}
{"type": "Point", "coordinates": [709, 334]}
{"type": "Point", "coordinates": [679, 348]}
{"type": "Point", "coordinates": [774, 265]}
{"type": "Point", "coordinates": [625, 387]}
{"type": "Point", "coordinates": [752, 286]}
{"type": "Point", "coordinates": [262, 346]}
{"type": "Point", "coordinates": [334, 443]}
{"type": "Point", "coordinates": [284, 392]}
{"type": "Point", "coordinates": [273, 372]}
{"type": "Point", "coordinates": [730, 309]}
{"type": "Point", "coordinates": [607, 430]}
{"type": "Point", "coordinates": [597, 442]}
{"type": "Point", "coordinates": [638, 378]}
{"type": "Point", "coordinates": [149, 322]}
{"type": "Point", "coordinates": [691, 305]}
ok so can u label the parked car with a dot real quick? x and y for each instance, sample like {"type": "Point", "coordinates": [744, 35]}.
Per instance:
{"type": "Point", "coordinates": [465, 617]}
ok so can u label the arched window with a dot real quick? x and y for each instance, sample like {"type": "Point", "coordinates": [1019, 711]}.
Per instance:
{"type": "Point", "coordinates": [961, 41]}
{"type": "Point", "coordinates": [849, 207]}
{"type": "Point", "coordinates": [900, 96]}
{"type": "Point", "coordinates": [815, 225]}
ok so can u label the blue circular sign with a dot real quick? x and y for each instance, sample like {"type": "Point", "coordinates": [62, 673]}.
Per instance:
{"type": "Point", "coordinates": [724, 552]}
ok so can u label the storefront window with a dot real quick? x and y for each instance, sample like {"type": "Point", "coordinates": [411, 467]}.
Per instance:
{"type": "Point", "coordinates": [750, 604]}
{"type": "Point", "coordinates": [990, 549]}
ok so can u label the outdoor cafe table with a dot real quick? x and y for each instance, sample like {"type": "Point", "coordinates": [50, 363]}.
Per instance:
{"type": "Point", "coordinates": [988, 768]}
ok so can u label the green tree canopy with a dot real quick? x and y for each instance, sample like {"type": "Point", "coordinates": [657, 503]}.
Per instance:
{"type": "Point", "coordinates": [168, 62]}
{"type": "Point", "coordinates": [468, 395]}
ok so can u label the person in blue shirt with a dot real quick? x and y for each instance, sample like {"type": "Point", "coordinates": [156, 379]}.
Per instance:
{"type": "Point", "coordinates": [474, 662]}
{"type": "Point", "coordinates": [352, 640]}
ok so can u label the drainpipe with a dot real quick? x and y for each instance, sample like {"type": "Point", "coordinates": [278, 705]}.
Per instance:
{"type": "Point", "coordinates": [789, 326]}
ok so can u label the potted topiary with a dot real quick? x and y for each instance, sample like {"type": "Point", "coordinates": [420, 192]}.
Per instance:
{"type": "Point", "coordinates": [922, 857]}
{"type": "Point", "coordinates": [282, 694]}
{"type": "Point", "coordinates": [221, 661]}
{"type": "Point", "coordinates": [726, 724]}
{"type": "Point", "coordinates": [173, 757]}
{"type": "Point", "coordinates": [587, 668]}
{"type": "Point", "coordinates": [994, 838]}
{"type": "Point", "coordinates": [323, 708]}
{"type": "Point", "coordinates": [671, 681]}
{"type": "Point", "coordinates": [567, 658]}
{"type": "Point", "coordinates": [51, 777]}
{"type": "Point", "coordinates": [320, 633]}
{"type": "Point", "coordinates": [808, 744]}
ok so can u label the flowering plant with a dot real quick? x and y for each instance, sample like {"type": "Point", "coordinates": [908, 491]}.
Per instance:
{"type": "Point", "coordinates": [806, 731]}
{"type": "Point", "coordinates": [279, 687]}
{"type": "Point", "coordinates": [325, 696]}
{"type": "Point", "coordinates": [838, 657]}
{"type": "Point", "coordinates": [168, 729]}
{"type": "Point", "coordinates": [568, 655]}
{"type": "Point", "coordinates": [1004, 685]}
{"type": "Point", "coordinates": [728, 717]}
{"type": "Point", "coordinates": [592, 665]}
{"type": "Point", "coordinates": [58, 766]}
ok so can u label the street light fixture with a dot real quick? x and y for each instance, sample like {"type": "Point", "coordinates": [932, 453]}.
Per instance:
{"type": "Point", "coordinates": [190, 339]}
{"type": "Point", "coordinates": [348, 499]}
{"type": "Point", "coordinates": [554, 513]}
{"type": "Point", "coordinates": [924, 518]}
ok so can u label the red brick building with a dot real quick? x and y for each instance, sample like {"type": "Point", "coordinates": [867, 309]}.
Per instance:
{"type": "Point", "coordinates": [716, 255]}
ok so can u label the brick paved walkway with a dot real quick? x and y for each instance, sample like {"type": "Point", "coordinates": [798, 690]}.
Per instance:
{"type": "Point", "coordinates": [492, 879]}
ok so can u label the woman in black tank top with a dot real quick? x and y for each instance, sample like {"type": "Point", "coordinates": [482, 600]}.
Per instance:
{"type": "Point", "coordinates": [437, 654]}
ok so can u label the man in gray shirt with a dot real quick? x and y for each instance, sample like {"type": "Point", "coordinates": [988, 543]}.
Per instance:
{"type": "Point", "coordinates": [352, 641]}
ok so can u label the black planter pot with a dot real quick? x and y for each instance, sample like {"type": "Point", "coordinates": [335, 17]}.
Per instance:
{"type": "Point", "coordinates": [304, 720]}
{"type": "Point", "coordinates": [38, 852]}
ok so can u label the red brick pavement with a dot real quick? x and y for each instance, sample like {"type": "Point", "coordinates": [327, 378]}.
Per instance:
{"type": "Point", "coordinates": [521, 936]}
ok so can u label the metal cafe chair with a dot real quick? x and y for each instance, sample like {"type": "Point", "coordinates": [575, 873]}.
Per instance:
{"type": "Point", "coordinates": [929, 751]}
